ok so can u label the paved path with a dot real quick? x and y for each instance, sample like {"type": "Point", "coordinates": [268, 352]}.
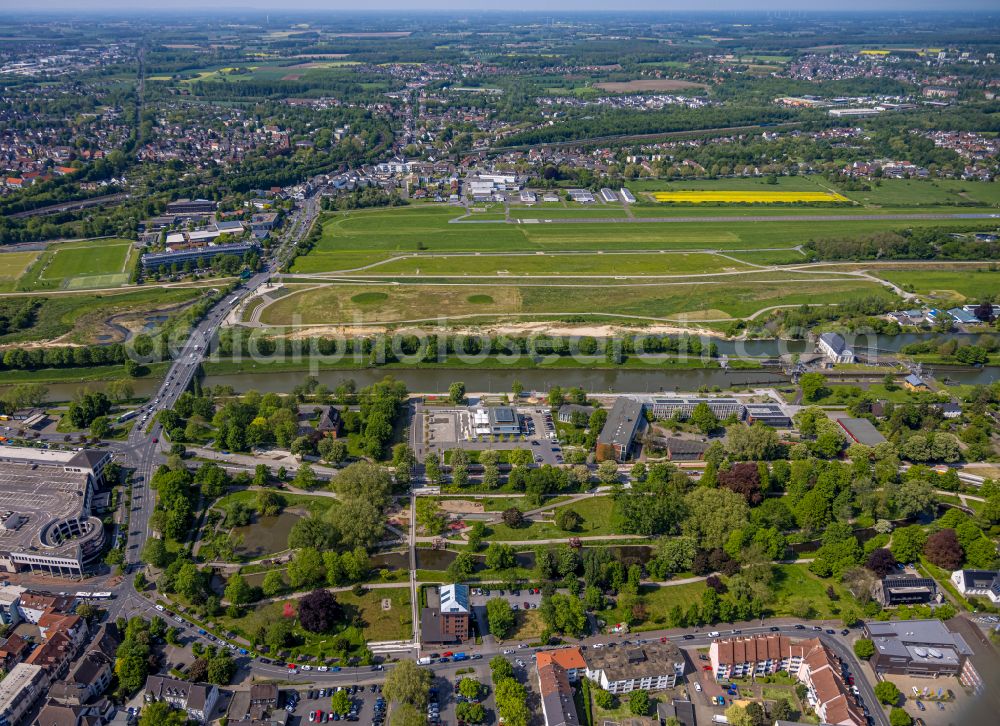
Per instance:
{"type": "Point", "coordinates": [740, 219]}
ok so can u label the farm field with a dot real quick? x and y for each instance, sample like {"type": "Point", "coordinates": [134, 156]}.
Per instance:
{"type": "Point", "coordinates": [80, 265]}
{"type": "Point", "coordinates": [531, 264]}
{"type": "Point", "coordinates": [711, 300]}
{"type": "Point", "coordinates": [747, 197]}
{"type": "Point", "coordinates": [648, 84]}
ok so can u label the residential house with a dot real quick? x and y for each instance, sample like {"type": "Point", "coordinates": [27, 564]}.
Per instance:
{"type": "Point", "coordinates": [650, 667]}
{"type": "Point", "coordinates": [914, 383]}
{"type": "Point", "coordinates": [978, 583]}
{"type": "Point", "coordinates": [56, 714]}
{"type": "Point", "coordinates": [567, 410]}
{"type": "Point", "coordinates": [10, 604]}
{"type": "Point", "coordinates": [197, 700]}
{"type": "Point", "coordinates": [20, 691]}
{"type": "Point", "coordinates": [87, 679]}
{"type": "Point", "coordinates": [558, 708]}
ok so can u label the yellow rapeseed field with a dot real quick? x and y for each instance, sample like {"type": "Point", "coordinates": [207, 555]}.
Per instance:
{"type": "Point", "coordinates": [746, 197]}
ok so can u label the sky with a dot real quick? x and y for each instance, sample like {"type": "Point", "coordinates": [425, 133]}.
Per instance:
{"type": "Point", "coordinates": [466, 6]}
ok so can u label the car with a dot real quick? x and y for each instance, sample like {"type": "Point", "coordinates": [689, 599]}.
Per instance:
{"type": "Point", "coordinates": [597, 645]}
{"type": "Point", "coordinates": [160, 608]}
{"type": "Point", "coordinates": [829, 631]}
{"type": "Point", "coordinates": [702, 656]}
{"type": "Point", "coordinates": [476, 656]}
{"type": "Point", "coordinates": [527, 605]}
{"type": "Point", "coordinates": [312, 694]}
{"type": "Point", "coordinates": [508, 651]}
{"type": "Point", "coordinates": [817, 628]}
{"type": "Point", "coordinates": [800, 626]}
{"type": "Point", "coordinates": [845, 631]}
{"type": "Point", "coordinates": [774, 629]}
{"type": "Point", "coordinates": [312, 717]}
{"type": "Point", "coordinates": [323, 669]}
{"type": "Point", "coordinates": [513, 606]}
{"type": "Point", "coordinates": [447, 654]}
{"type": "Point", "coordinates": [444, 660]}
{"type": "Point", "coordinates": [156, 440]}
{"type": "Point", "coordinates": [706, 668]}
{"type": "Point", "coordinates": [307, 668]}
{"type": "Point", "coordinates": [920, 706]}
{"type": "Point", "coordinates": [687, 636]}
{"type": "Point", "coordinates": [697, 686]}
{"type": "Point", "coordinates": [322, 692]}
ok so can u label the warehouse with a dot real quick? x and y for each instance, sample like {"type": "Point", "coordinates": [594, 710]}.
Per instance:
{"type": "Point", "coordinates": [861, 431]}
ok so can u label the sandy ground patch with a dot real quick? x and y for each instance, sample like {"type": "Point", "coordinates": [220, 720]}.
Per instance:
{"type": "Point", "coordinates": [648, 84]}
{"type": "Point", "coordinates": [461, 506]}
{"type": "Point", "coordinates": [551, 328]}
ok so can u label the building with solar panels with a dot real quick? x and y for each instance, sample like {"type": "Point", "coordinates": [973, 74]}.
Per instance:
{"type": "Point", "coordinates": [503, 420]}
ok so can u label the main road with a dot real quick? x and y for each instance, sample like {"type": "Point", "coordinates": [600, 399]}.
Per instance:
{"type": "Point", "coordinates": [141, 452]}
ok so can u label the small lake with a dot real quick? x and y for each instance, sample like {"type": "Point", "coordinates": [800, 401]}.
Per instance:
{"type": "Point", "coordinates": [266, 535]}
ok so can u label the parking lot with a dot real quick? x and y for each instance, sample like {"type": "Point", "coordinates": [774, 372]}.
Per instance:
{"type": "Point", "coordinates": [519, 599]}
{"type": "Point", "coordinates": [363, 697]}
{"type": "Point", "coordinates": [440, 430]}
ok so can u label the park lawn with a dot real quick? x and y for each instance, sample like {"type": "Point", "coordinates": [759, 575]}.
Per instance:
{"type": "Point", "coordinates": [706, 299]}
{"type": "Point", "coordinates": [946, 286]}
{"type": "Point", "coordinates": [658, 601]}
{"type": "Point", "coordinates": [316, 505]}
{"type": "Point", "coordinates": [374, 624]}
{"type": "Point", "coordinates": [596, 513]}
{"type": "Point", "coordinates": [794, 584]}
{"type": "Point", "coordinates": [843, 395]}
{"type": "Point", "coordinates": [529, 264]}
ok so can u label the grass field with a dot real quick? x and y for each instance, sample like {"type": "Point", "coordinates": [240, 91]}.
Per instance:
{"type": "Point", "coordinates": [716, 299]}
{"type": "Point", "coordinates": [538, 263]}
{"type": "Point", "coordinates": [87, 264]}
{"type": "Point", "coordinates": [357, 238]}
{"type": "Point", "coordinates": [946, 287]}
{"type": "Point", "coordinates": [13, 266]}
{"type": "Point", "coordinates": [747, 197]}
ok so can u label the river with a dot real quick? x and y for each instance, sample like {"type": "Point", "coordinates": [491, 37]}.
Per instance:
{"type": "Point", "coordinates": [614, 380]}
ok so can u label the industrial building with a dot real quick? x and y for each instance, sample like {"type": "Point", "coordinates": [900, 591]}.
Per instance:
{"type": "Point", "coordinates": [769, 414]}
{"type": "Point", "coordinates": [905, 590]}
{"type": "Point", "coordinates": [495, 421]}
{"type": "Point", "coordinates": [668, 407]}
{"type": "Point", "coordinates": [835, 348]}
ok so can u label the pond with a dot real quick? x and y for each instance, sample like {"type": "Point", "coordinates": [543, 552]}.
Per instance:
{"type": "Point", "coordinates": [266, 535]}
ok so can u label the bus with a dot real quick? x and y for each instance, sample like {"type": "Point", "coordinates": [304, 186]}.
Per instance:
{"type": "Point", "coordinates": [95, 595]}
{"type": "Point", "coordinates": [127, 415]}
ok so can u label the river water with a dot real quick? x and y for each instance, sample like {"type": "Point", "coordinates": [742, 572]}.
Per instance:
{"type": "Point", "coordinates": [620, 380]}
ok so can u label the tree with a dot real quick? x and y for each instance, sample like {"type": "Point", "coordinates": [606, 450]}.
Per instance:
{"type": "Point", "coordinates": [813, 386]}
{"type": "Point", "coordinates": [340, 702]}
{"type": "Point", "coordinates": [456, 393]}
{"type": "Point", "coordinates": [943, 549]}
{"type": "Point", "coordinates": [513, 517]}
{"type": "Point", "coordinates": [470, 712]}
{"type": "Point", "coordinates": [744, 479]}
{"type": "Point", "coordinates": [500, 617]}
{"type": "Point", "coordinates": [100, 427]}
{"type": "Point", "coordinates": [568, 520]}
{"type": "Point", "coordinates": [907, 543]}
{"type": "Point", "coordinates": [155, 553]}
{"type": "Point", "coordinates": [607, 472]}
{"type": "Point", "coordinates": [238, 592]}
{"type": "Point", "coordinates": [221, 669]}
{"type": "Point", "coordinates": [500, 556]}
{"type": "Point", "coordinates": [887, 693]}
{"type": "Point", "coordinates": [881, 561]}
{"type": "Point", "coordinates": [273, 584]}
{"type": "Point", "coordinates": [899, 717]}
{"type": "Point", "coordinates": [782, 710]}
{"type": "Point", "coordinates": [470, 688]}
{"type": "Point", "coordinates": [713, 514]}
{"type": "Point", "coordinates": [564, 614]}
{"type": "Point", "coordinates": [306, 568]}
{"type": "Point", "coordinates": [752, 443]}
{"type": "Point", "coordinates": [332, 451]}
{"type": "Point", "coordinates": [638, 702]}
{"type": "Point", "coordinates": [500, 668]}
{"type": "Point", "coordinates": [864, 648]}
{"type": "Point", "coordinates": [516, 388]}
{"type": "Point", "coordinates": [319, 611]}
{"type": "Point", "coordinates": [408, 683]}
{"type": "Point", "coordinates": [604, 699]}
{"type": "Point", "coordinates": [703, 417]}
{"type": "Point", "coordinates": [403, 461]}
{"type": "Point", "coordinates": [161, 713]}
{"type": "Point", "coordinates": [432, 470]}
